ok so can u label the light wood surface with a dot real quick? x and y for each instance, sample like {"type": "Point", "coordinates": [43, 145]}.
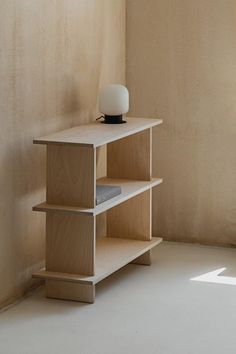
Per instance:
{"type": "Point", "coordinates": [101, 225]}
{"type": "Point", "coordinates": [101, 161]}
{"type": "Point", "coordinates": [129, 189]}
{"type": "Point", "coordinates": [70, 243]}
{"type": "Point", "coordinates": [70, 291]}
{"type": "Point", "coordinates": [96, 134]}
{"type": "Point", "coordinates": [131, 157]}
{"type": "Point", "coordinates": [111, 255]}
{"type": "Point", "coordinates": [71, 175]}
{"type": "Point", "coordinates": [131, 219]}
{"type": "Point", "coordinates": [101, 172]}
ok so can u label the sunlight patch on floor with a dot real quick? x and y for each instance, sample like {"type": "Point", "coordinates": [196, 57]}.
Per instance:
{"type": "Point", "coordinates": [215, 277]}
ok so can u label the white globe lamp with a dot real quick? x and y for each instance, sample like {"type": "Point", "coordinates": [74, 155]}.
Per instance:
{"type": "Point", "coordinates": [113, 103]}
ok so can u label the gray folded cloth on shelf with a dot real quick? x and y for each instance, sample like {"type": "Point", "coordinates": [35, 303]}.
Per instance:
{"type": "Point", "coordinates": [105, 192]}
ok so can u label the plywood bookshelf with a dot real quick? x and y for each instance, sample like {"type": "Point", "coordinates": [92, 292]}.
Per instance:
{"type": "Point", "coordinates": [86, 243]}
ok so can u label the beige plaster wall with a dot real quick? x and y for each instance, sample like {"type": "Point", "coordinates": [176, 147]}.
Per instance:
{"type": "Point", "coordinates": [181, 66]}
{"type": "Point", "coordinates": [54, 56]}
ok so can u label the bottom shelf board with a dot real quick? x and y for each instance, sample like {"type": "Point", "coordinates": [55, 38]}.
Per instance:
{"type": "Point", "coordinates": [111, 255]}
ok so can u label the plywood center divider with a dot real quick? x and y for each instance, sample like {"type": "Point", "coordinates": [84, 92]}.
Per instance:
{"type": "Point", "coordinates": [130, 157]}
{"type": "Point", "coordinates": [70, 243]}
{"type": "Point", "coordinates": [131, 219]}
{"type": "Point", "coordinates": [71, 175]}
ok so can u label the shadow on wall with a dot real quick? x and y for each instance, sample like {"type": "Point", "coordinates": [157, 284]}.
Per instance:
{"type": "Point", "coordinates": [23, 181]}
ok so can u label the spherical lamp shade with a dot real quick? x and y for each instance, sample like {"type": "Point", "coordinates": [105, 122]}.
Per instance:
{"type": "Point", "coordinates": [113, 103]}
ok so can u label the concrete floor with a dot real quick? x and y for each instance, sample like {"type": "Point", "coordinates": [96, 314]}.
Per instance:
{"type": "Point", "coordinates": [138, 310]}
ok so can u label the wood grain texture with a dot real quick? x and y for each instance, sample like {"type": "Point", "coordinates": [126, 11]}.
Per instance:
{"type": "Point", "coordinates": [101, 162]}
{"type": "Point", "coordinates": [131, 157]}
{"type": "Point", "coordinates": [101, 225]}
{"type": "Point", "coordinates": [111, 254]}
{"type": "Point", "coordinates": [55, 56]}
{"type": "Point", "coordinates": [101, 171]}
{"type": "Point", "coordinates": [187, 77]}
{"type": "Point", "coordinates": [70, 291]}
{"type": "Point", "coordinates": [71, 178]}
{"type": "Point", "coordinates": [96, 134]}
{"type": "Point", "coordinates": [131, 219]}
{"type": "Point", "coordinates": [70, 243]}
{"type": "Point", "coordinates": [129, 189]}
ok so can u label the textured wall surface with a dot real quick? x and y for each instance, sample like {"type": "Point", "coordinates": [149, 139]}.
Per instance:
{"type": "Point", "coordinates": [54, 56]}
{"type": "Point", "coordinates": [181, 66]}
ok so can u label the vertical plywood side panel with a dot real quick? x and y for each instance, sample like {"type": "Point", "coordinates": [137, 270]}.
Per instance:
{"type": "Point", "coordinates": [130, 157]}
{"type": "Point", "coordinates": [71, 175]}
{"type": "Point", "coordinates": [151, 148]}
{"type": "Point", "coordinates": [131, 219]}
{"type": "Point", "coordinates": [101, 161]}
{"type": "Point", "coordinates": [101, 171]}
{"type": "Point", "coordinates": [70, 243]}
{"type": "Point", "coordinates": [101, 225]}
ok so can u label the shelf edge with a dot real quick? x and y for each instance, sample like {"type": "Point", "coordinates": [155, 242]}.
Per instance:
{"type": "Point", "coordinates": [45, 207]}
{"type": "Point", "coordinates": [44, 140]}
{"type": "Point", "coordinates": [92, 280]}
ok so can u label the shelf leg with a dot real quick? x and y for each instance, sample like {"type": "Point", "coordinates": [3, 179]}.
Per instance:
{"type": "Point", "coordinates": [70, 248]}
{"type": "Point", "coordinates": [65, 290]}
{"type": "Point", "coordinates": [145, 259]}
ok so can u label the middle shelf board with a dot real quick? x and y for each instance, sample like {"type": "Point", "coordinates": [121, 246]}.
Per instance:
{"type": "Point", "coordinates": [111, 255]}
{"type": "Point", "coordinates": [129, 189]}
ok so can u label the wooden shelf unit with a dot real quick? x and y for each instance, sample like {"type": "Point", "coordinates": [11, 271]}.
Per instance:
{"type": "Point", "coordinates": [86, 243]}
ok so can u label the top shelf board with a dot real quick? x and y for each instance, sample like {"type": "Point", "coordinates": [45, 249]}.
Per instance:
{"type": "Point", "coordinates": [96, 134]}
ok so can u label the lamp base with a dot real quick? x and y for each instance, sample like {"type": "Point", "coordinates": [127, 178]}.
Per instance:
{"type": "Point", "coordinates": [113, 119]}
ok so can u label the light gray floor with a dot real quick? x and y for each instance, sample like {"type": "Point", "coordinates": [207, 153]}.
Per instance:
{"type": "Point", "coordinates": [146, 310]}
